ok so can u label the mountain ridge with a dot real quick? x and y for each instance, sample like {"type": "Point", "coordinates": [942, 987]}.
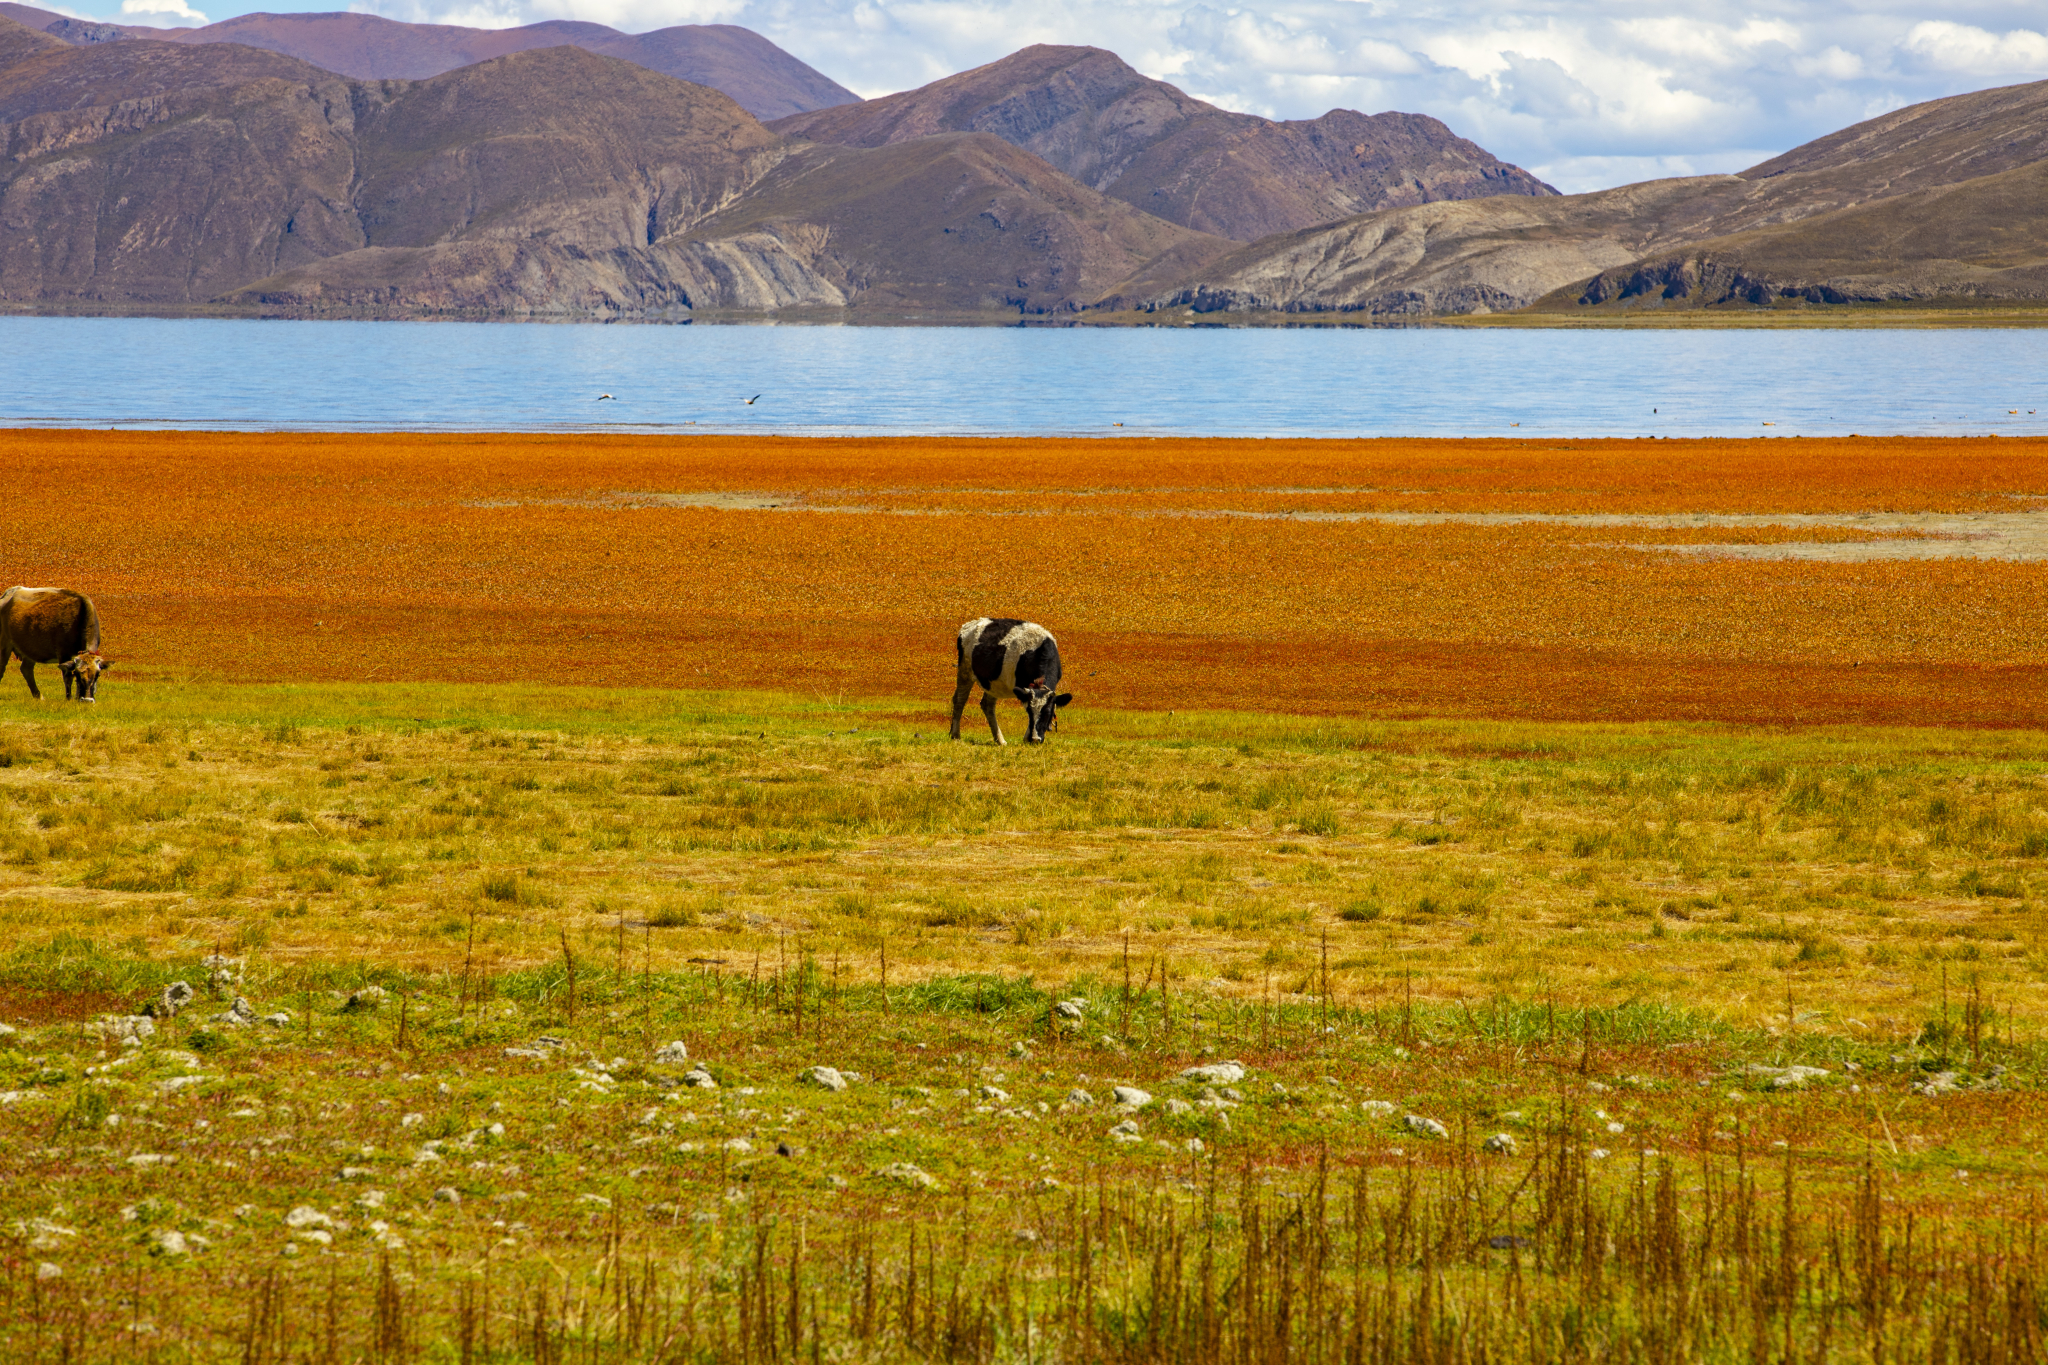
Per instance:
{"type": "Point", "coordinates": [1094, 117]}
{"type": "Point", "coordinates": [765, 80]}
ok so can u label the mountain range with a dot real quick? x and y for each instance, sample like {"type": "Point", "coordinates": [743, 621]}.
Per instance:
{"type": "Point", "coordinates": [347, 165]}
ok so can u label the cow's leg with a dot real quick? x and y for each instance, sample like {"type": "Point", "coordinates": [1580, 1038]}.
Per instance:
{"type": "Point", "coordinates": [28, 671]}
{"type": "Point", "coordinates": [988, 708]}
{"type": "Point", "coordinates": [69, 678]}
{"type": "Point", "coordinates": [961, 693]}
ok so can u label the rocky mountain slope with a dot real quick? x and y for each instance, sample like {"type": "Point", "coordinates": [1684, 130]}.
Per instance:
{"type": "Point", "coordinates": [1940, 200]}
{"type": "Point", "coordinates": [548, 181]}
{"type": "Point", "coordinates": [1143, 141]}
{"type": "Point", "coordinates": [765, 81]}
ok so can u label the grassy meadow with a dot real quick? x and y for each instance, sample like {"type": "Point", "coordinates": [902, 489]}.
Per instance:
{"type": "Point", "coordinates": [1518, 1005]}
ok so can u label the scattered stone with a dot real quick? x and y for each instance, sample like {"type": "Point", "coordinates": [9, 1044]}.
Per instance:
{"type": "Point", "coordinates": [904, 1173]}
{"type": "Point", "coordinates": [1195, 1147]}
{"type": "Point", "coordinates": [306, 1216]}
{"type": "Point", "coordinates": [356, 1173]}
{"type": "Point", "coordinates": [1179, 1106]}
{"type": "Point", "coordinates": [412, 1120]}
{"type": "Point", "coordinates": [1215, 1073]}
{"type": "Point", "coordinates": [1940, 1083]}
{"type": "Point", "coordinates": [49, 1270]}
{"type": "Point", "coordinates": [8, 1031]}
{"type": "Point", "coordinates": [1127, 1131]}
{"type": "Point", "coordinates": [738, 1145]}
{"type": "Point", "coordinates": [1130, 1097]}
{"type": "Point", "coordinates": [142, 1161]}
{"type": "Point", "coordinates": [699, 1078]}
{"type": "Point", "coordinates": [1509, 1242]}
{"type": "Point", "coordinates": [995, 1094]}
{"type": "Point", "coordinates": [281, 1019]}
{"type": "Point", "coordinates": [176, 996]}
{"type": "Point", "coordinates": [223, 974]}
{"type": "Point", "coordinates": [1020, 1048]}
{"type": "Point", "coordinates": [1027, 1236]}
{"type": "Point", "coordinates": [784, 1149]}
{"type": "Point", "coordinates": [672, 1054]}
{"type": "Point", "coordinates": [824, 1077]}
{"type": "Point", "coordinates": [1074, 1008]}
{"type": "Point", "coordinates": [447, 1194]}
{"type": "Point", "coordinates": [1787, 1077]}
{"type": "Point", "coordinates": [364, 1000]}
{"type": "Point", "coordinates": [1422, 1127]}
{"type": "Point", "coordinates": [1503, 1144]}
{"type": "Point", "coordinates": [833, 1182]}
{"type": "Point", "coordinates": [238, 1015]}
{"type": "Point", "coordinates": [168, 1242]}
{"type": "Point", "coordinates": [1078, 1096]}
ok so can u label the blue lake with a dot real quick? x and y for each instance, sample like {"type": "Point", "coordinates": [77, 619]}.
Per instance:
{"type": "Point", "coordinates": [380, 376]}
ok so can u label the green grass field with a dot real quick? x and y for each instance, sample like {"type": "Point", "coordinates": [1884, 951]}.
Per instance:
{"type": "Point", "coordinates": [1603, 943]}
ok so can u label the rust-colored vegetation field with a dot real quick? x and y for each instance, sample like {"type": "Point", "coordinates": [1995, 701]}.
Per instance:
{"type": "Point", "coordinates": [1761, 581]}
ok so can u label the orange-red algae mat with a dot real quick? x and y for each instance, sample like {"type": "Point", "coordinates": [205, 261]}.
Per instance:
{"type": "Point", "coordinates": [1177, 573]}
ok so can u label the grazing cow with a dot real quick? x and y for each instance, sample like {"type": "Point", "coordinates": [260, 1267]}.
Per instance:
{"type": "Point", "coordinates": [1016, 658]}
{"type": "Point", "coordinates": [53, 626]}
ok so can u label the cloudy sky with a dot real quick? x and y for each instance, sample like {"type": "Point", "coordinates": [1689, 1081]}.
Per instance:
{"type": "Point", "coordinates": [1586, 93]}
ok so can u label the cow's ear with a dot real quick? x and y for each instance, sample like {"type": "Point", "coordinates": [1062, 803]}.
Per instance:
{"type": "Point", "coordinates": [106, 664]}
{"type": "Point", "coordinates": [1063, 699]}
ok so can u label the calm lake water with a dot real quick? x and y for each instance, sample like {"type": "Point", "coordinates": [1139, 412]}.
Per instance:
{"type": "Point", "coordinates": [381, 376]}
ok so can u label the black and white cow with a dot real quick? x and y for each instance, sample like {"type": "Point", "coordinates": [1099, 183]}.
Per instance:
{"type": "Point", "coordinates": [1010, 658]}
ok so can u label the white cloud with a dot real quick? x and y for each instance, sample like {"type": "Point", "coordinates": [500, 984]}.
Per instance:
{"type": "Point", "coordinates": [1576, 90]}
{"type": "Point", "coordinates": [174, 9]}
{"type": "Point", "coordinates": [1962, 47]}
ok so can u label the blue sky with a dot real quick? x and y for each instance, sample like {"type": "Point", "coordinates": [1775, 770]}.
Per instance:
{"type": "Point", "coordinates": [1586, 93]}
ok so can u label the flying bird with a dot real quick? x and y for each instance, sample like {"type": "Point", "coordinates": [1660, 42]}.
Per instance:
{"type": "Point", "coordinates": [601, 397]}
{"type": "Point", "coordinates": [750, 401]}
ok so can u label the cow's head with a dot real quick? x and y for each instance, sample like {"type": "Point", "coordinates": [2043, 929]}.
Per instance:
{"type": "Point", "coordinates": [1043, 708]}
{"type": "Point", "coordinates": [84, 672]}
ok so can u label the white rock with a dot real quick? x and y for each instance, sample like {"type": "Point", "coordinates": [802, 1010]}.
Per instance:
{"type": "Point", "coordinates": [1423, 1127]}
{"type": "Point", "coordinates": [995, 1094]}
{"type": "Point", "coordinates": [672, 1054]}
{"type": "Point", "coordinates": [168, 1242]}
{"type": "Point", "coordinates": [1073, 1008]}
{"type": "Point", "coordinates": [1787, 1077]}
{"type": "Point", "coordinates": [1503, 1144]}
{"type": "Point", "coordinates": [356, 1173]}
{"type": "Point", "coordinates": [1178, 1106]}
{"type": "Point", "coordinates": [1078, 1096]}
{"type": "Point", "coordinates": [412, 1120]}
{"type": "Point", "coordinates": [447, 1194]}
{"type": "Point", "coordinates": [49, 1271]}
{"type": "Point", "coordinates": [824, 1077]}
{"type": "Point", "coordinates": [1940, 1083]}
{"type": "Point", "coordinates": [145, 1160]}
{"type": "Point", "coordinates": [281, 1019]}
{"type": "Point", "coordinates": [739, 1145]}
{"type": "Point", "coordinates": [599, 1200]}
{"type": "Point", "coordinates": [904, 1173]}
{"type": "Point", "coordinates": [176, 996]}
{"type": "Point", "coordinates": [365, 999]}
{"type": "Point", "coordinates": [700, 1079]}
{"type": "Point", "coordinates": [1130, 1097]}
{"type": "Point", "coordinates": [1215, 1073]}
{"type": "Point", "coordinates": [126, 1027]}
{"type": "Point", "coordinates": [1377, 1109]}
{"type": "Point", "coordinates": [306, 1216]}
{"type": "Point", "coordinates": [1127, 1131]}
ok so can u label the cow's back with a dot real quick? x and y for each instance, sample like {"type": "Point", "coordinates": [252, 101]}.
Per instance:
{"type": "Point", "coordinates": [48, 625]}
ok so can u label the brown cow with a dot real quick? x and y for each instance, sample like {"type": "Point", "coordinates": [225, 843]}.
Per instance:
{"type": "Point", "coordinates": [52, 626]}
